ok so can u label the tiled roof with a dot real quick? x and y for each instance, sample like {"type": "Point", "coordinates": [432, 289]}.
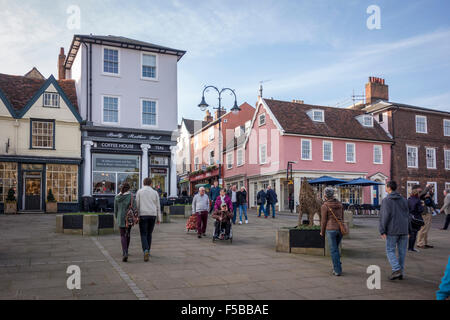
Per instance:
{"type": "Point", "coordinates": [194, 125]}
{"type": "Point", "coordinates": [339, 123]}
{"type": "Point", "coordinates": [20, 89]}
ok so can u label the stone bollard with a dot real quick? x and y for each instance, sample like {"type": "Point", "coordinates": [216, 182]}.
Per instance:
{"type": "Point", "coordinates": [166, 214]}
{"type": "Point", "coordinates": [187, 210]}
{"type": "Point", "coordinates": [90, 225]}
{"type": "Point", "coordinates": [59, 223]}
{"type": "Point", "coordinates": [348, 217]}
{"type": "Point", "coordinates": [282, 241]}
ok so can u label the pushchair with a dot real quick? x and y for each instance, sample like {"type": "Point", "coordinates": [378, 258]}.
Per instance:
{"type": "Point", "coordinates": [191, 224]}
{"type": "Point", "coordinates": [222, 232]}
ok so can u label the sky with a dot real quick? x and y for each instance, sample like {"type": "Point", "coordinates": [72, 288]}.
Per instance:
{"type": "Point", "coordinates": [317, 51]}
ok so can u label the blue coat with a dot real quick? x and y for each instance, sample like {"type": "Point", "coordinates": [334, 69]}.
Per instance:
{"type": "Point", "coordinates": [444, 288]}
{"type": "Point", "coordinates": [261, 197]}
{"type": "Point", "coordinates": [271, 197]}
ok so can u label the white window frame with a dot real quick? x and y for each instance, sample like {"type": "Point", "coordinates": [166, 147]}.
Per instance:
{"type": "Point", "coordinates": [238, 164]}
{"type": "Point", "coordinates": [310, 149]}
{"type": "Point", "coordinates": [229, 163]}
{"type": "Point", "coordinates": [364, 118]}
{"type": "Point", "coordinates": [447, 151]}
{"type": "Point", "coordinates": [156, 78]}
{"type": "Point", "coordinates": [261, 154]}
{"type": "Point", "coordinates": [110, 74]}
{"type": "Point", "coordinates": [434, 157]}
{"type": "Point", "coordinates": [417, 157]}
{"type": "Point", "coordinates": [448, 121]}
{"type": "Point", "coordinates": [51, 99]}
{"type": "Point", "coordinates": [323, 150]}
{"type": "Point", "coordinates": [346, 152]}
{"type": "Point", "coordinates": [142, 113]}
{"type": "Point", "coordinates": [247, 126]}
{"type": "Point", "coordinates": [259, 119]}
{"type": "Point", "coordinates": [118, 110]}
{"type": "Point", "coordinates": [313, 111]}
{"type": "Point", "coordinates": [211, 134]}
{"type": "Point", "coordinates": [377, 146]}
{"type": "Point", "coordinates": [412, 183]}
{"type": "Point", "coordinates": [435, 190]}
{"type": "Point", "coordinates": [447, 185]}
{"type": "Point", "coordinates": [426, 125]}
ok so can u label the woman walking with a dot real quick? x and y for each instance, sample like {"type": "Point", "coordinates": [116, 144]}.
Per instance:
{"type": "Point", "coordinates": [242, 202]}
{"type": "Point", "coordinates": [122, 202]}
{"type": "Point", "coordinates": [331, 212]}
{"type": "Point", "coordinates": [415, 210]}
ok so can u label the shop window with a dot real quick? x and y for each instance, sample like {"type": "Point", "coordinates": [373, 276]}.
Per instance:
{"type": "Point", "coordinates": [8, 179]}
{"type": "Point", "coordinates": [63, 180]}
{"type": "Point", "coordinates": [159, 160]}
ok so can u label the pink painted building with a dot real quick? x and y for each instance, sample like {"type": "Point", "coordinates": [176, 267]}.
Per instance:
{"type": "Point", "coordinates": [317, 140]}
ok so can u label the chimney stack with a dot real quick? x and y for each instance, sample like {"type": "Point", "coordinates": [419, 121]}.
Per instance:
{"type": "Point", "coordinates": [208, 117]}
{"type": "Point", "coordinates": [376, 90]}
{"type": "Point", "coordinates": [218, 114]}
{"type": "Point", "coordinates": [298, 101]}
{"type": "Point", "coordinates": [61, 68]}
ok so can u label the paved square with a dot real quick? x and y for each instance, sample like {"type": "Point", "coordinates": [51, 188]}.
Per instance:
{"type": "Point", "coordinates": [34, 260]}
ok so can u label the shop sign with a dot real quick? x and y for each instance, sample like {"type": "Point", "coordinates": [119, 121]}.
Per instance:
{"type": "Point", "coordinates": [130, 136]}
{"type": "Point", "coordinates": [113, 145]}
{"type": "Point", "coordinates": [158, 170]}
{"type": "Point", "coordinates": [116, 163]}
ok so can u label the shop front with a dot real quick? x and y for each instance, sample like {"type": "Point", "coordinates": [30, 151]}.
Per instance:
{"type": "Point", "coordinates": [203, 178]}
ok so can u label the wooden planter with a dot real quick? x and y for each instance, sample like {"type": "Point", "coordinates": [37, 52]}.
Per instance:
{"type": "Point", "coordinates": [51, 207]}
{"type": "Point", "coordinates": [10, 207]}
{"type": "Point", "coordinates": [302, 241]}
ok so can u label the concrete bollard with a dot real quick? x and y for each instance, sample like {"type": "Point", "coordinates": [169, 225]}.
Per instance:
{"type": "Point", "coordinates": [59, 223]}
{"type": "Point", "coordinates": [90, 225]}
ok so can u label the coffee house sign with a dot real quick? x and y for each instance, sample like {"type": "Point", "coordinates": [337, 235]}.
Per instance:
{"type": "Point", "coordinates": [130, 136]}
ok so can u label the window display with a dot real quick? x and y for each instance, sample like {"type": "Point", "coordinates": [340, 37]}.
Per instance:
{"type": "Point", "coordinates": [8, 178]}
{"type": "Point", "coordinates": [63, 180]}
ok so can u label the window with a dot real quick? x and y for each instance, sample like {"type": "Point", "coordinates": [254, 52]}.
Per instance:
{"type": "Point", "coordinates": [247, 126]}
{"type": "Point", "coordinates": [240, 157]}
{"type": "Point", "coordinates": [211, 133]}
{"type": "Point", "coordinates": [262, 119]}
{"type": "Point", "coordinates": [148, 113]}
{"type": "Point", "coordinates": [431, 158]}
{"type": "Point", "coordinates": [306, 150]}
{"type": "Point", "coordinates": [63, 180]}
{"type": "Point", "coordinates": [378, 154]}
{"type": "Point", "coordinates": [196, 164]}
{"type": "Point", "coordinates": [229, 160]}
{"type": "Point", "coordinates": [149, 66]}
{"type": "Point", "coordinates": [411, 155]}
{"type": "Point", "coordinates": [110, 109]}
{"type": "Point", "coordinates": [447, 185]}
{"type": "Point", "coordinates": [367, 121]}
{"type": "Point", "coordinates": [327, 151]}
{"type": "Point", "coordinates": [238, 131]}
{"type": "Point", "coordinates": [350, 152]}
{"type": "Point", "coordinates": [409, 186]}
{"type": "Point", "coordinates": [380, 117]}
{"type": "Point", "coordinates": [51, 99]}
{"type": "Point", "coordinates": [318, 115]}
{"type": "Point", "coordinates": [8, 179]}
{"type": "Point", "coordinates": [447, 159]}
{"type": "Point", "coordinates": [421, 124]}
{"type": "Point", "coordinates": [111, 61]}
{"type": "Point", "coordinates": [211, 157]}
{"type": "Point", "coordinates": [159, 160]}
{"type": "Point", "coordinates": [42, 133]}
{"type": "Point", "coordinates": [435, 190]}
{"type": "Point", "coordinates": [262, 154]}
{"type": "Point", "coordinates": [196, 142]}
{"type": "Point", "coordinates": [110, 171]}
{"type": "Point", "coordinates": [446, 127]}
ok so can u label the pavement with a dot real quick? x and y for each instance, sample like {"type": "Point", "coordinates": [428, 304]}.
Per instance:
{"type": "Point", "coordinates": [34, 260]}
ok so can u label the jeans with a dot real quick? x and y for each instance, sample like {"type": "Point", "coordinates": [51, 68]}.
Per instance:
{"type": "Point", "coordinates": [447, 221]}
{"type": "Point", "coordinates": [146, 225]}
{"type": "Point", "coordinates": [125, 239]}
{"type": "Point", "coordinates": [261, 207]}
{"type": "Point", "coordinates": [202, 220]}
{"type": "Point", "coordinates": [334, 239]}
{"type": "Point", "coordinates": [400, 243]}
{"type": "Point", "coordinates": [268, 209]}
{"type": "Point", "coordinates": [243, 208]}
{"type": "Point", "coordinates": [235, 207]}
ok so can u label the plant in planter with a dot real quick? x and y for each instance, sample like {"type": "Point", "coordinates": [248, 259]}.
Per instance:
{"type": "Point", "coordinates": [211, 168]}
{"type": "Point", "coordinates": [11, 203]}
{"type": "Point", "coordinates": [52, 205]}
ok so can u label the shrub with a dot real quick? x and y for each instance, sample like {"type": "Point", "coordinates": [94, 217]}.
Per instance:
{"type": "Point", "coordinates": [50, 196]}
{"type": "Point", "coordinates": [11, 195]}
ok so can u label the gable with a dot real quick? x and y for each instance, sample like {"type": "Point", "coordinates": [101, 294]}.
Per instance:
{"type": "Point", "coordinates": [5, 107]}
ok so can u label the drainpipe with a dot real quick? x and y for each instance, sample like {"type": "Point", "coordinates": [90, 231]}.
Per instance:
{"type": "Point", "coordinates": [90, 82]}
{"type": "Point", "coordinates": [87, 84]}
{"type": "Point", "coordinates": [393, 144]}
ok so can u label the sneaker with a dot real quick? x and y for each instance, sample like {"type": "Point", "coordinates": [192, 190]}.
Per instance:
{"type": "Point", "coordinates": [146, 256]}
{"type": "Point", "coordinates": [240, 222]}
{"type": "Point", "coordinates": [199, 236]}
{"type": "Point", "coordinates": [396, 275]}
{"type": "Point", "coordinates": [336, 274]}
{"type": "Point", "coordinates": [246, 221]}
{"type": "Point", "coordinates": [125, 258]}
{"type": "Point", "coordinates": [421, 247]}
{"type": "Point", "coordinates": [413, 250]}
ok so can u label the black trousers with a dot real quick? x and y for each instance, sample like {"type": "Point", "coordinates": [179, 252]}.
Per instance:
{"type": "Point", "coordinates": [146, 226]}
{"type": "Point", "coordinates": [226, 225]}
{"type": "Point", "coordinates": [447, 221]}
{"type": "Point", "coordinates": [412, 239]}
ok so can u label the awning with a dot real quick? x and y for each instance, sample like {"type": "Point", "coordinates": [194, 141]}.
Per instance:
{"type": "Point", "coordinates": [361, 182]}
{"type": "Point", "coordinates": [327, 180]}
{"type": "Point", "coordinates": [205, 185]}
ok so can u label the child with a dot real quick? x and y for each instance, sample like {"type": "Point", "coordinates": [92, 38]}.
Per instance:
{"type": "Point", "coordinates": [223, 220]}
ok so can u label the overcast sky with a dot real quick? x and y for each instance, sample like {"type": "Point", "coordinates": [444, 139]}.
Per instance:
{"type": "Point", "coordinates": [317, 51]}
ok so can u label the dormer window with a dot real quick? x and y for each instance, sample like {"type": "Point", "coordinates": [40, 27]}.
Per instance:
{"type": "Point", "coordinates": [51, 100]}
{"type": "Point", "coordinates": [366, 120]}
{"type": "Point", "coordinates": [317, 115]}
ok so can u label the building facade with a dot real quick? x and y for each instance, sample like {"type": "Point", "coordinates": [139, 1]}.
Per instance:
{"type": "Point", "coordinates": [40, 141]}
{"type": "Point", "coordinates": [127, 94]}
{"type": "Point", "coordinates": [315, 141]}
{"type": "Point", "coordinates": [421, 149]}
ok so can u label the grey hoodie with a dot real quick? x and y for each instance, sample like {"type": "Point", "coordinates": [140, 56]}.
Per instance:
{"type": "Point", "coordinates": [394, 215]}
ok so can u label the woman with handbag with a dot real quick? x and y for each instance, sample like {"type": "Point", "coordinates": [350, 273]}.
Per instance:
{"type": "Point", "coordinates": [332, 225]}
{"type": "Point", "coordinates": [415, 211]}
{"type": "Point", "coordinates": [122, 203]}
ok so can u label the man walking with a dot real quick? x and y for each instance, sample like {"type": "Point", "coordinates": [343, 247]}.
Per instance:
{"type": "Point", "coordinates": [213, 194]}
{"type": "Point", "coordinates": [271, 200]}
{"type": "Point", "coordinates": [261, 201]}
{"type": "Point", "coordinates": [394, 228]}
{"type": "Point", "coordinates": [200, 206]}
{"type": "Point", "coordinates": [148, 206]}
{"type": "Point", "coordinates": [446, 208]}
{"type": "Point", "coordinates": [233, 196]}
{"type": "Point", "coordinates": [422, 236]}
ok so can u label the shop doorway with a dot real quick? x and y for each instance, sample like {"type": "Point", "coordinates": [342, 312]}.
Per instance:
{"type": "Point", "coordinates": [32, 192]}
{"type": "Point", "coordinates": [160, 178]}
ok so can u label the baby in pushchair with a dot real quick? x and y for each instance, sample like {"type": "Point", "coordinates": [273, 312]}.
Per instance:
{"type": "Point", "coordinates": [223, 223]}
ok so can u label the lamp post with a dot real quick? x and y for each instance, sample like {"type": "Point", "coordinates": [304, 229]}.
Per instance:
{"type": "Point", "coordinates": [203, 106]}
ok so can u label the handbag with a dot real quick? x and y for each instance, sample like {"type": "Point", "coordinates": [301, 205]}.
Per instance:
{"type": "Point", "coordinates": [342, 226]}
{"type": "Point", "coordinates": [132, 215]}
{"type": "Point", "coordinates": [416, 223]}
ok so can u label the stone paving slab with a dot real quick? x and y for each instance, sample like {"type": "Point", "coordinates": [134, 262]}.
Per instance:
{"type": "Point", "coordinates": [34, 259]}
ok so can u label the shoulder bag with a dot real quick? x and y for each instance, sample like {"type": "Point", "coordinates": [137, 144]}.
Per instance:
{"type": "Point", "coordinates": [342, 226]}
{"type": "Point", "coordinates": [132, 215]}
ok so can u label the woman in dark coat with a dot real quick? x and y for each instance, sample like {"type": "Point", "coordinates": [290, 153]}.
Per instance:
{"type": "Point", "coordinates": [121, 204]}
{"type": "Point", "coordinates": [415, 210]}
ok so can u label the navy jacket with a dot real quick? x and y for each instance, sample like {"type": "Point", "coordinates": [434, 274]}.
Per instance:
{"type": "Point", "coordinates": [271, 197]}
{"type": "Point", "coordinates": [261, 197]}
{"type": "Point", "coordinates": [214, 193]}
{"type": "Point", "coordinates": [394, 215]}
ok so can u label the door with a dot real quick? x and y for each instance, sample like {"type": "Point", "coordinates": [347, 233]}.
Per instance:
{"type": "Point", "coordinates": [376, 195]}
{"type": "Point", "coordinates": [33, 193]}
